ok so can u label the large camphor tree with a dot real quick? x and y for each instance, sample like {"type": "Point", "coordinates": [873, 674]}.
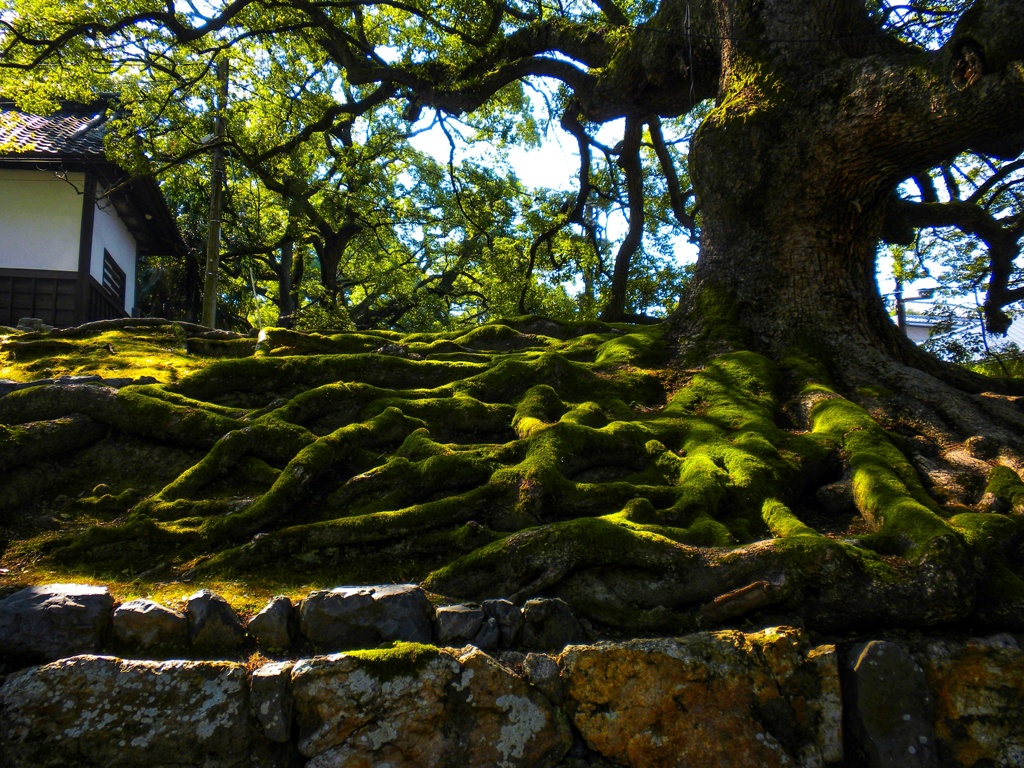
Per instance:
{"type": "Point", "coordinates": [777, 446]}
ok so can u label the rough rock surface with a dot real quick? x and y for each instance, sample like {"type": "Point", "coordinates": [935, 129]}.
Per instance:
{"type": "Point", "coordinates": [509, 620]}
{"type": "Point", "coordinates": [102, 711]}
{"type": "Point", "coordinates": [274, 626]}
{"type": "Point", "coordinates": [459, 624]}
{"type": "Point", "coordinates": [550, 625]}
{"type": "Point", "coordinates": [50, 622]}
{"type": "Point", "coordinates": [769, 698]}
{"type": "Point", "coordinates": [543, 672]}
{"type": "Point", "coordinates": [363, 617]}
{"type": "Point", "coordinates": [708, 699]}
{"type": "Point", "coordinates": [148, 624]}
{"type": "Point", "coordinates": [978, 692]}
{"type": "Point", "coordinates": [212, 623]}
{"type": "Point", "coordinates": [272, 699]}
{"type": "Point", "coordinates": [888, 706]}
{"type": "Point", "coordinates": [489, 636]}
{"type": "Point", "coordinates": [425, 707]}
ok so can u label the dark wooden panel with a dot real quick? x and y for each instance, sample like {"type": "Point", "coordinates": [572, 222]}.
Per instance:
{"type": "Point", "coordinates": [50, 296]}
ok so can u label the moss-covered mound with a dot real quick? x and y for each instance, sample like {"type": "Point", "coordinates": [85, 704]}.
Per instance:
{"type": "Point", "coordinates": [521, 458]}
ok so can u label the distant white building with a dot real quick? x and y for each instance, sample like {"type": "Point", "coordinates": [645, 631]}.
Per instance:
{"type": "Point", "coordinates": [72, 225]}
{"type": "Point", "coordinates": [921, 329]}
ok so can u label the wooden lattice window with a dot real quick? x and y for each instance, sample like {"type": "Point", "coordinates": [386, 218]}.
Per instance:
{"type": "Point", "coordinates": [113, 276]}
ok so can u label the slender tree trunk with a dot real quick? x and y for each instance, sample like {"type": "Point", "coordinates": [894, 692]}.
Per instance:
{"type": "Point", "coordinates": [285, 290]}
{"type": "Point", "coordinates": [216, 195]}
{"type": "Point", "coordinates": [630, 164]}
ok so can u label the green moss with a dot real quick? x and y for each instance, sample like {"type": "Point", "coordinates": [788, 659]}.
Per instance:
{"type": "Point", "coordinates": [323, 462]}
{"type": "Point", "coordinates": [280, 375]}
{"type": "Point", "coordinates": [400, 659]}
{"type": "Point", "coordinates": [538, 408]}
{"type": "Point", "coordinates": [988, 533]}
{"type": "Point", "coordinates": [157, 351]}
{"type": "Point", "coordinates": [449, 414]}
{"type": "Point", "coordinates": [735, 389]}
{"type": "Point", "coordinates": [886, 487]}
{"type": "Point", "coordinates": [782, 522]}
{"type": "Point", "coordinates": [751, 92]}
{"type": "Point", "coordinates": [281, 342]}
{"type": "Point", "coordinates": [644, 348]}
{"type": "Point", "coordinates": [122, 542]}
{"type": "Point", "coordinates": [418, 469]}
{"type": "Point", "coordinates": [588, 414]}
{"type": "Point", "coordinates": [701, 531]}
{"type": "Point", "coordinates": [1006, 485]}
{"type": "Point", "coordinates": [597, 541]}
{"type": "Point", "coordinates": [497, 336]}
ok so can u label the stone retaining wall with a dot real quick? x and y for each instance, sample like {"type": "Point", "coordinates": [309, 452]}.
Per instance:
{"type": "Point", "coordinates": [774, 697]}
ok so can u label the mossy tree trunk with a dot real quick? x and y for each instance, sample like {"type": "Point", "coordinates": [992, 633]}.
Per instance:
{"type": "Point", "coordinates": [818, 117]}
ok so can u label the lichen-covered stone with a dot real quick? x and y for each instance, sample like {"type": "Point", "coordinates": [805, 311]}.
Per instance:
{"type": "Point", "coordinates": [147, 624]}
{"type": "Point", "coordinates": [212, 623]}
{"type": "Point", "coordinates": [709, 699]}
{"type": "Point", "coordinates": [978, 690]}
{"type": "Point", "coordinates": [422, 706]}
{"type": "Point", "coordinates": [53, 621]}
{"type": "Point", "coordinates": [543, 672]}
{"type": "Point", "coordinates": [103, 711]}
{"type": "Point", "coordinates": [272, 699]}
{"type": "Point", "coordinates": [273, 628]}
{"type": "Point", "coordinates": [364, 617]}
{"type": "Point", "coordinates": [888, 706]}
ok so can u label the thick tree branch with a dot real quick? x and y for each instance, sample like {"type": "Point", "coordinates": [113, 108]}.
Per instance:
{"type": "Point", "coordinates": [629, 161]}
{"type": "Point", "coordinates": [677, 197]}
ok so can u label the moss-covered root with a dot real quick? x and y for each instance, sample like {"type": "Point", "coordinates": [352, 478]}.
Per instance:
{"type": "Point", "coordinates": [886, 487]}
{"type": "Point", "coordinates": [266, 439]}
{"type": "Point", "coordinates": [24, 444]}
{"type": "Point", "coordinates": [1004, 491]}
{"type": "Point", "coordinates": [634, 578]}
{"type": "Point", "coordinates": [302, 475]}
{"type": "Point", "coordinates": [435, 531]}
{"type": "Point", "coordinates": [133, 410]}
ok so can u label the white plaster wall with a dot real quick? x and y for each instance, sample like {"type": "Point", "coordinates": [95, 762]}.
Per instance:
{"type": "Point", "coordinates": [40, 220]}
{"type": "Point", "coordinates": [918, 334]}
{"type": "Point", "coordinates": [110, 232]}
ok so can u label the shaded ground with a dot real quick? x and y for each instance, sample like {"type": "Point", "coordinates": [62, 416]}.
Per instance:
{"type": "Point", "coordinates": [518, 459]}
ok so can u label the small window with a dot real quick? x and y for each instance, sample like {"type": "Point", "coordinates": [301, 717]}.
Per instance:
{"type": "Point", "coordinates": [113, 276]}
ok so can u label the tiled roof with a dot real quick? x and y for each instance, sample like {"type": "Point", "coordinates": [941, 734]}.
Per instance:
{"type": "Point", "coordinates": [967, 322]}
{"type": "Point", "coordinates": [73, 138]}
{"type": "Point", "coordinates": [72, 133]}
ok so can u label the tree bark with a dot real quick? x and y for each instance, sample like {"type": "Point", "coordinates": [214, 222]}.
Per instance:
{"type": "Point", "coordinates": [795, 167]}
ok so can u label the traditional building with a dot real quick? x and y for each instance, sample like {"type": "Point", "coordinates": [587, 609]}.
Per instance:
{"type": "Point", "coordinates": [72, 224]}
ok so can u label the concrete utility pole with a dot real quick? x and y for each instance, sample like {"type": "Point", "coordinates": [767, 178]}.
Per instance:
{"type": "Point", "coordinates": [901, 307]}
{"type": "Point", "coordinates": [216, 200]}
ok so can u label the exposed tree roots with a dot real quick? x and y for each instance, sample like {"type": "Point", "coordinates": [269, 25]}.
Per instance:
{"type": "Point", "coordinates": [530, 458]}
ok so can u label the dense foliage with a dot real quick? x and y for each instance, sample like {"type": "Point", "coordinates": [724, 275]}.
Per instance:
{"type": "Point", "coordinates": [776, 445]}
{"type": "Point", "coordinates": [335, 213]}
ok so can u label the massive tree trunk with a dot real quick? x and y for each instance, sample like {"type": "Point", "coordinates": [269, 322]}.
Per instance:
{"type": "Point", "coordinates": [818, 117]}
